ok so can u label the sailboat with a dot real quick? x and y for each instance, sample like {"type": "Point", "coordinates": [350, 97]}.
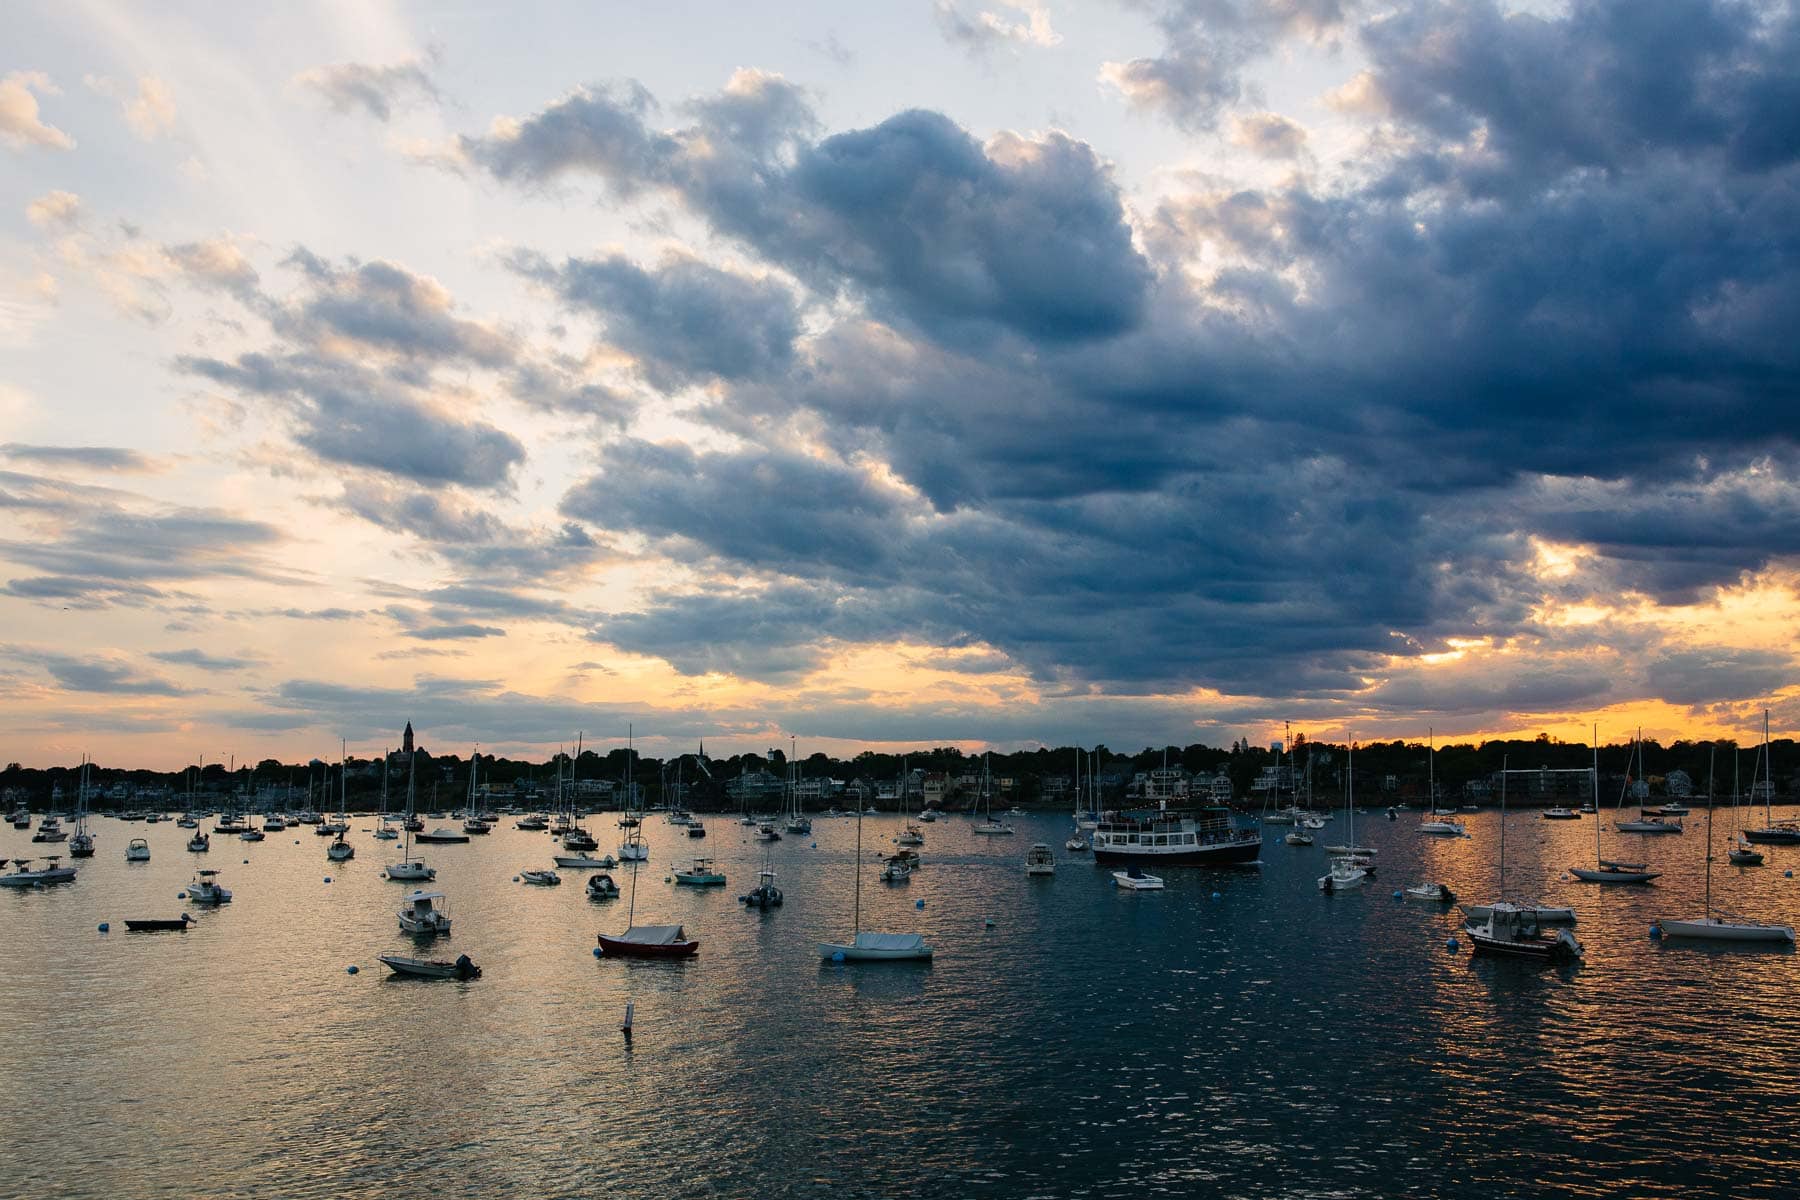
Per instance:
{"type": "Point", "coordinates": [81, 845]}
{"type": "Point", "coordinates": [1439, 823]}
{"type": "Point", "coordinates": [988, 825]}
{"type": "Point", "coordinates": [1078, 841]}
{"type": "Point", "coordinates": [1644, 823]}
{"type": "Point", "coordinates": [633, 849]}
{"type": "Point", "coordinates": [472, 819]}
{"type": "Point", "coordinates": [645, 941]}
{"type": "Point", "coordinates": [1742, 853]}
{"type": "Point", "coordinates": [1773, 833]}
{"type": "Point", "coordinates": [1348, 869]}
{"type": "Point", "coordinates": [867, 946]}
{"type": "Point", "coordinates": [798, 822]}
{"type": "Point", "coordinates": [1606, 870]}
{"type": "Point", "coordinates": [384, 831]}
{"type": "Point", "coordinates": [1509, 930]}
{"type": "Point", "coordinates": [1719, 928]}
{"type": "Point", "coordinates": [339, 850]}
{"type": "Point", "coordinates": [408, 867]}
{"type": "Point", "coordinates": [911, 835]}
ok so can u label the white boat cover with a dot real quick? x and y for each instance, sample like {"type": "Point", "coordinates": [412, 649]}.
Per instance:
{"type": "Point", "coordinates": [889, 941]}
{"type": "Point", "coordinates": [414, 897]}
{"type": "Point", "coordinates": [651, 935]}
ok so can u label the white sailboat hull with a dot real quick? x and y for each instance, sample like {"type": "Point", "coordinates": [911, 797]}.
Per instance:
{"type": "Point", "coordinates": [1719, 929]}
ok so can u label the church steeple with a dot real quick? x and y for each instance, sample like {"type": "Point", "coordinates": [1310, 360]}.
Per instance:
{"type": "Point", "coordinates": [406, 740]}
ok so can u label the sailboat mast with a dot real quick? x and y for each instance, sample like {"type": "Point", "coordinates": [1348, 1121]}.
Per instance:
{"type": "Point", "coordinates": [1768, 778]}
{"type": "Point", "coordinates": [1594, 772]}
{"type": "Point", "coordinates": [1709, 817]}
{"type": "Point", "coordinates": [1503, 827]}
{"type": "Point", "coordinates": [856, 914]}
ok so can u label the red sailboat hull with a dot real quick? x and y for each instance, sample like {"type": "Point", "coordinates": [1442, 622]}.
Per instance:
{"type": "Point", "coordinates": [614, 948]}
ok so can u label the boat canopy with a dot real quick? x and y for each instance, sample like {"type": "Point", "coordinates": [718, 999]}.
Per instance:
{"type": "Point", "coordinates": [652, 935]}
{"type": "Point", "coordinates": [889, 941]}
{"type": "Point", "coordinates": [414, 897]}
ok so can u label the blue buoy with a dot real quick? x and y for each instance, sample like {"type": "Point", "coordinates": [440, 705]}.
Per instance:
{"type": "Point", "coordinates": [328, 879]}
{"type": "Point", "coordinates": [837, 956]}
{"type": "Point", "coordinates": [350, 970]}
{"type": "Point", "coordinates": [596, 952]}
{"type": "Point", "coordinates": [1655, 932]}
{"type": "Point", "coordinates": [815, 845]}
{"type": "Point", "coordinates": [918, 904]}
{"type": "Point", "coordinates": [181, 895]}
{"type": "Point", "coordinates": [1788, 874]}
{"type": "Point", "coordinates": [515, 879]}
{"type": "Point", "coordinates": [1453, 945]}
{"type": "Point", "coordinates": [104, 927]}
{"type": "Point", "coordinates": [987, 923]}
{"type": "Point", "coordinates": [1396, 893]}
{"type": "Point", "coordinates": [246, 862]}
{"type": "Point", "coordinates": [1217, 896]}
{"type": "Point", "coordinates": [296, 841]}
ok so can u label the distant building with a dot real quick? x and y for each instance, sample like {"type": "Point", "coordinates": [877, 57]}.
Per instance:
{"type": "Point", "coordinates": [1678, 783]}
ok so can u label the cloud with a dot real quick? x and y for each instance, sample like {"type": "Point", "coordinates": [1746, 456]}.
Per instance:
{"type": "Point", "coordinates": [205, 661]}
{"type": "Point", "coordinates": [1268, 135]}
{"type": "Point", "coordinates": [450, 632]}
{"type": "Point", "coordinates": [987, 29]}
{"type": "Point", "coordinates": [1705, 675]}
{"type": "Point", "coordinates": [151, 112]}
{"type": "Point", "coordinates": [685, 321]}
{"type": "Point", "coordinates": [95, 673]}
{"type": "Point", "coordinates": [93, 458]}
{"type": "Point", "coordinates": [20, 126]}
{"type": "Point", "coordinates": [216, 263]}
{"type": "Point", "coordinates": [930, 226]}
{"type": "Point", "coordinates": [53, 209]}
{"type": "Point", "coordinates": [375, 90]}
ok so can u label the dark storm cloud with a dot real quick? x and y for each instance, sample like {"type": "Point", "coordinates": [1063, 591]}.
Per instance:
{"type": "Point", "coordinates": [1706, 675]}
{"type": "Point", "coordinates": [932, 227]}
{"type": "Point", "coordinates": [346, 413]}
{"type": "Point", "coordinates": [1315, 429]}
{"type": "Point", "coordinates": [684, 321]}
{"type": "Point", "coordinates": [375, 90]}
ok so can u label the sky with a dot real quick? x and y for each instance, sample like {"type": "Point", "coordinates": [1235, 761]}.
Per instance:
{"type": "Point", "coordinates": [985, 372]}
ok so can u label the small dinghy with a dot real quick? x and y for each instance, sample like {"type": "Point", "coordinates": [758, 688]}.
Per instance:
{"type": "Point", "coordinates": [431, 968]}
{"type": "Point", "coordinates": [159, 925]}
{"type": "Point", "coordinates": [1135, 880]}
{"type": "Point", "coordinates": [1435, 893]}
{"type": "Point", "coordinates": [602, 887]}
{"type": "Point", "coordinates": [765, 894]}
{"type": "Point", "coordinates": [540, 878]}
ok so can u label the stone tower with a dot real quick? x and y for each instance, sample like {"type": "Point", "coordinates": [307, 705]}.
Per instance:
{"type": "Point", "coordinates": [406, 740]}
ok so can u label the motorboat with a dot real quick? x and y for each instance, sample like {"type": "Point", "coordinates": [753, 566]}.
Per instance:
{"type": "Point", "coordinates": [992, 828]}
{"type": "Point", "coordinates": [1435, 893]}
{"type": "Point", "coordinates": [421, 917]}
{"type": "Point", "coordinates": [540, 878]}
{"type": "Point", "coordinates": [430, 968]}
{"type": "Point", "coordinates": [877, 947]}
{"type": "Point", "coordinates": [602, 887]}
{"type": "Point", "coordinates": [896, 870]}
{"type": "Point", "coordinates": [701, 874]}
{"type": "Point", "coordinates": [200, 843]}
{"type": "Point", "coordinates": [273, 823]}
{"type": "Point", "coordinates": [20, 818]}
{"type": "Point", "coordinates": [1039, 860]}
{"type": "Point", "coordinates": [766, 832]}
{"type": "Point", "coordinates": [649, 941]}
{"type": "Point", "coordinates": [695, 828]}
{"type": "Point", "coordinates": [1345, 874]}
{"type": "Point", "coordinates": [158, 924]}
{"type": "Point", "coordinates": [340, 851]}
{"type": "Point", "coordinates": [910, 836]}
{"type": "Point", "coordinates": [536, 821]}
{"type": "Point", "coordinates": [184, 821]}
{"type": "Point", "coordinates": [1077, 843]}
{"type": "Point", "coordinates": [579, 840]}
{"type": "Point", "coordinates": [1133, 879]}
{"type": "Point", "coordinates": [24, 877]}
{"type": "Point", "coordinates": [1543, 914]}
{"type": "Point", "coordinates": [765, 894]}
{"type": "Point", "coordinates": [443, 835]}
{"type": "Point", "coordinates": [584, 862]}
{"type": "Point", "coordinates": [1298, 837]}
{"type": "Point", "coordinates": [1673, 808]}
{"type": "Point", "coordinates": [137, 851]}
{"type": "Point", "coordinates": [634, 851]}
{"type": "Point", "coordinates": [476, 826]}
{"type": "Point", "coordinates": [206, 889]}
{"type": "Point", "coordinates": [1440, 826]}
{"type": "Point", "coordinates": [1512, 932]}
{"type": "Point", "coordinates": [928, 816]}
{"type": "Point", "coordinates": [1559, 813]}
{"type": "Point", "coordinates": [50, 830]}
{"type": "Point", "coordinates": [251, 833]}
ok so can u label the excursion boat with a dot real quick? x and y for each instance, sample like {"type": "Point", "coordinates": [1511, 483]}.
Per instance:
{"type": "Point", "coordinates": [430, 968]}
{"type": "Point", "coordinates": [137, 851]}
{"type": "Point", "coordinates": [206, 889]}
{"type": "Point", "coordinates": [421, 917]}
{"type": "Point", "coordinates": [1134, 880]}
{"type": "Point", "coordinates": [701, 874]}
{"type": "Point", "coordinates": [1039, 860]}
{"type": "Point", "coordinates": [602, 887]}
{"type": "Point", "coordinates": [1170, 837]}
{"type": "Point", "coordinates": [649, 941]}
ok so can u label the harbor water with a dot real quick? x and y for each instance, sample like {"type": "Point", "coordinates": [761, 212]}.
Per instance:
{"type": "Point", "coordinates": [1237, 1034]}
